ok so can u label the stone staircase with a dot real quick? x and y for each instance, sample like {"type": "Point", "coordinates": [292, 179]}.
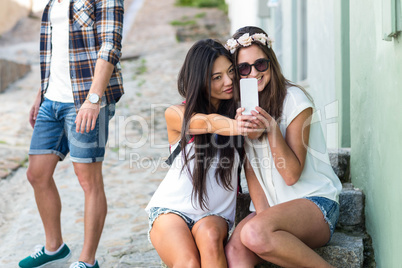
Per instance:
{"type": "Point", "coordinates": [350, 246]}
{"type": "Point", "coordinates": [10, 72]}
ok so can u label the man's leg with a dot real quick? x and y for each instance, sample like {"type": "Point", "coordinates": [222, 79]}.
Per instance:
{"type": "Point", "coordinates": [91, 180]}
{"type": "Point", "coordinates": [40, 175]}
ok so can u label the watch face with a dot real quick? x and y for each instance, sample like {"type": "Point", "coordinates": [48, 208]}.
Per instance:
{"type": "Point", "coordinates": [93, 98]}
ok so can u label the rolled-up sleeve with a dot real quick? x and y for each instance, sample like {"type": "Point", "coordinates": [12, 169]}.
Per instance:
{"type": "Point", "coordinates": [109, 27]}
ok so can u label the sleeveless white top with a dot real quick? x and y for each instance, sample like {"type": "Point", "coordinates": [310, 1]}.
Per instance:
{"type": "Point", "coordinates": [175, 190]}
{"type": "Point", "coordinates": [60, 88]}
{"type": "Point", "coordinates": [317, 179]}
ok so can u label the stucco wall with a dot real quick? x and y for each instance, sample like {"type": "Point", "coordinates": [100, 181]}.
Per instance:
{"type": "Point", "coordinates": [376, 127]}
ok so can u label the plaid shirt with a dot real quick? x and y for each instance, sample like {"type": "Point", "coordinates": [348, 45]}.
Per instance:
{"type": "Point", "coordinates": [95, 31]}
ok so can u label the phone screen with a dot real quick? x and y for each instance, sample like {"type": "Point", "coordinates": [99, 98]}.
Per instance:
{"type": "Point", "coordinates": [248, 94]}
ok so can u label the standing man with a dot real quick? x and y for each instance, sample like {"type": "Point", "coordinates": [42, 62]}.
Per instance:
{"type": "Point", "coordinates": [81, 81]}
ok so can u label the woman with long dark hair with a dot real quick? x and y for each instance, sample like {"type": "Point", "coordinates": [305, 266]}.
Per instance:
{"type": "Point", "coordinates": [193, 208]}
{"type": "Point", "coordinates": [293, 188]}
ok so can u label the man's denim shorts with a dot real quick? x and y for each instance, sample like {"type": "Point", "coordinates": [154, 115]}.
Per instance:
{"type": "Point", "coordinates": [54, 133]}
{"type": "Point", "coordinates": [329, 208]}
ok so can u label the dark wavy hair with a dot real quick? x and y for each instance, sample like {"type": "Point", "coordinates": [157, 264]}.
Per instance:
{"type": "Point", "coordinates": [272, 97]}
{"type": "Point", "coordinates": [194, 84]}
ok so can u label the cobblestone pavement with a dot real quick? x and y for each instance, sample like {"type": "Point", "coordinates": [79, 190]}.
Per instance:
{"type": "Point", "coordinates": [133, 165]}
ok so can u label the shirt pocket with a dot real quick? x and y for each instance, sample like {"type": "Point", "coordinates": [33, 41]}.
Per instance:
{"type": "Point", "coordinates": [84, 13]}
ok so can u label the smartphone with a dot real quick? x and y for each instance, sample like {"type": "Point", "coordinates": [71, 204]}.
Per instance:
{"type": "Point", "coordinates": [248, 94]}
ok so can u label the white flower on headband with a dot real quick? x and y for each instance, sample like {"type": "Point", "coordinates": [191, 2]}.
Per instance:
{"type": "Point", "coordinates": [269, 42]}
{"type": "Point", "coordinates": [246, 40]}
{"type": "Point", "coordinates": [231, 45]}
{"type": "Point", "coordinates": [261, 37]}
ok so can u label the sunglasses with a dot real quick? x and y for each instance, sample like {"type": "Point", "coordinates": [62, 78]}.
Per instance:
{"type": "Point", "coordinates": [260, 65]}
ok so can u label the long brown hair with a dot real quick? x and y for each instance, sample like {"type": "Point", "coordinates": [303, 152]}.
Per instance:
{"type": "Point", "coordinates": [272, 97]}
{"type": "Point", "coordinates": [194, 84]}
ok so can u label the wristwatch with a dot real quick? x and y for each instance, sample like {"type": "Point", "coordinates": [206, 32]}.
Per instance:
{"type": "Point", "coordinates": [93, 98]}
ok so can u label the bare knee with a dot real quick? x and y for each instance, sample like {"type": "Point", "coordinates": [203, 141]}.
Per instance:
{"type": "Point", "coordinates": [258, 237]}
{"type": "Point", "coordinates": [89, 185]}
{"type": "Point", "coordinates": [90, 180]}
{"type": "Point", "coordinates": [40, 170]}
{"type": "Point", "coordinates": [210, 240]}
{"type": "Point", "coordinates": [32, 177]}
{"type": "Point", "coordinates": [37, 178]}
{"type": "Point", "coordinates": [212, 235]}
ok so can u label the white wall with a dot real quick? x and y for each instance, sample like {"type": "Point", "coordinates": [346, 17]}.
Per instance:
{"type": "Point", "coordinates": [287, 57]}
{"type": "Point", "coordinates": [321, 65]}
{"type": "Point", "coordinates": [321, 56]}
{"type": "Point", "coordinates": [321, 59]}
{"type": "Point", "coordinates": [242, 13]}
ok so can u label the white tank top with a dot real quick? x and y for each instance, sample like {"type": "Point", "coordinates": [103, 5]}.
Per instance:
{"type": "Point", "coordinates": [175, 190]}
{"type": "Point", "coordinates": [317, 179]}
{"type": "Point", "coordinates": [60, 88]}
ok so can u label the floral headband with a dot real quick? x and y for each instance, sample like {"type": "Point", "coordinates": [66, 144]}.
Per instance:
{"type": "Point", "coordinates": [246, 40]}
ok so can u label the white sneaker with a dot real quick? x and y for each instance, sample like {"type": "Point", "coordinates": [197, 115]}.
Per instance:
{"type": "Point", "coordinates": [80, 264]}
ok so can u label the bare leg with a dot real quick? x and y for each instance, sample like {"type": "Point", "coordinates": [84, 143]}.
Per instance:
{"type": "Point", "coordinates": [174, 242]}
{"type": "Point", "coordinates": [284, 234]}
{"type": "Point", "coordinates": [40, 175]}
{"type": "Point", "coordinates": [237, 254]}
{"type": "Point", "coordinates": [91, 181]}
{"type": "Point", "coordinates": [210, 234]}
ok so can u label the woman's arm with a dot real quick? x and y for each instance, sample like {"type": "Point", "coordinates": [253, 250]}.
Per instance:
{"type": "Point", "coordinates": [289, 153]}
{"type": "Point", "coordinates": [257, 194]}
{"type": "Point", "coordinates": [200, 124]}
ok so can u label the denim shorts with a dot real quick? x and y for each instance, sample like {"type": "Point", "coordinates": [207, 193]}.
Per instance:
{"type": "Point", "coordinates": [330, 210]}
{"type": "Point", "coordinates": [54, 133]}
{"type": "Point", "coordinates": [155, 212]}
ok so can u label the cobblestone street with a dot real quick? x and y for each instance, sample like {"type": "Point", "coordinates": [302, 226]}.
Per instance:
{"type": "Point", "coordinates": [138, 145]}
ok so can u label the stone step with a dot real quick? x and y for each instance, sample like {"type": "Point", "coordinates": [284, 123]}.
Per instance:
{"type": "Point", "coordinates": [346, 248]}
{"type": "Point", "coordinates": [343, 251]}
{"type": "Point", "coordinates": [11, 71]}
{"type": "Point", "coordinates": [351, 209]}
{"type": "Point", "coordinates": [340, 162]}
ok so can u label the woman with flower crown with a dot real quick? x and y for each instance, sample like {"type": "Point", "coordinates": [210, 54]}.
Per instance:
{"type": "Point", "coordinates": [293, 188]}
{"type": "Point", "coordinates": [193, 208]}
